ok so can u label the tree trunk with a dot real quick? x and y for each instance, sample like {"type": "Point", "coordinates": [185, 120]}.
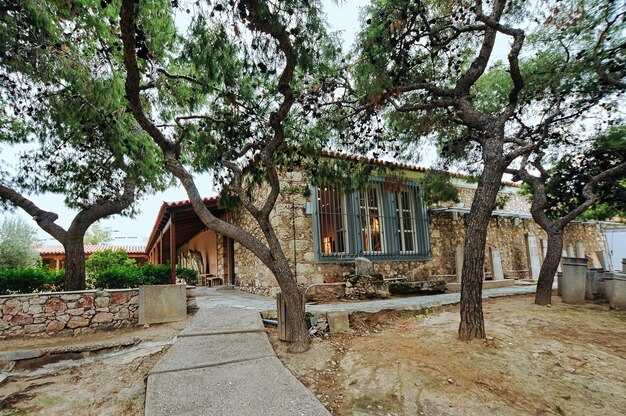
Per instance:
{"type": "Point", "coordinates": [549, 266]}
{"type": "Point", "coordinates": [74, 262]}
{"type": "Point", "coordinates": [472, 322]}
{"type": "Point", "coordinates": [296, 319]}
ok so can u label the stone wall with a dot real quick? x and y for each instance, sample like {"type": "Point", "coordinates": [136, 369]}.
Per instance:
{"type": "Point", "coordinates": [70, 313]}
{"type": "Point", "coordinates": [295, 231]}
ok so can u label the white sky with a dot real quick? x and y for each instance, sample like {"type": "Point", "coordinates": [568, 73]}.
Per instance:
{"type": "Point", "coordinates": [343, 17]}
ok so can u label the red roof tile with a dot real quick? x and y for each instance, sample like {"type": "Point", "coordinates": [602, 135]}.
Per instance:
{"type": "Point", "coordinates": [91, 248]}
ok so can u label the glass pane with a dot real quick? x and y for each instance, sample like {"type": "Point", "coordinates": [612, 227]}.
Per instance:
{"type": "Point", "coordinates": [330, 208]}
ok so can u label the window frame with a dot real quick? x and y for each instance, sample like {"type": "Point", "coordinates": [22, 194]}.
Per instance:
{"type": "Point", "coordinates": [390, 236]}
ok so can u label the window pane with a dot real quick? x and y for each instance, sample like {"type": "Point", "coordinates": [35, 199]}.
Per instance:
{"type": "Point", "coordinates": [405, 214]}
{"type": "Point", "coordinates": [371, 220]}
{"type": "Point", "coordinates": [331, 215]}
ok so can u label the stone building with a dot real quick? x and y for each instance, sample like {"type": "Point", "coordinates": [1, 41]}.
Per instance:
{"type": "Point", "coordinates": [387, 222]}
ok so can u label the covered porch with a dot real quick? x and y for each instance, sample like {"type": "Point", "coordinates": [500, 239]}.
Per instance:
{"type": "Point", "coordinates": [179, 238]}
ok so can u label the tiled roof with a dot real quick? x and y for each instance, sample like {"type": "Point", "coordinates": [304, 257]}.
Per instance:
{"type": "Point", "coordinates": [188, 202]}
{"type": "Point", "coordinates": [92, 248]}
{"type": "Point", "coordinates": [399, 165]}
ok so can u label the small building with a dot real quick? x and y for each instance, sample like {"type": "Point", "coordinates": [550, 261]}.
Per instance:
{"type": "Point", "coordinates": [53, 256]}
{"type": "Point", "coordinates": [387, 221]}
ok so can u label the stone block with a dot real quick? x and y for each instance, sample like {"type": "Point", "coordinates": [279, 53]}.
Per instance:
{"type": "Point", "coordinates": [20, 355]}
{"type": "Point", "coordinates": [122, 314]}
{"type": "Point", "coordinates": [70, 297]}
{"type": "Point", "coordinates": [75, 312]}
{"type": "Point", "coordinates": [427, 286]}
{"type": "Point", "coordinates": [118, 298]}
{"type": "Point", "coordinates": [55, 326]}
{"type": "Point", "coordinates": [34, 329]}
{"type": "Point", "coordinates": [35, 309]}
{"type": "Point", "coordinates": [21, 319]}
{"type": "Point", "coordinates": [338, 322]}
{"type": "Point", "coordinates": [363, 266]}
{"type": "Point", "coordinates": [77, 322]}
{"type": "Point", "coordinates": [102, 301]}
{"type": "Point", "coordinates": [162, 303]}
{"type": "Point", "coordinates": [55, 305]}
{"type": "Point", "coordinates": [85, 302]}
{"type": "Point", "coordinates": [102, 317]}
{"type": "Point", "coordinates": [10, 308]}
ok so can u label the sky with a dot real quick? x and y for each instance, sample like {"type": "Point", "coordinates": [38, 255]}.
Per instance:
{"type": "Point", "coordinates": [343, 16]}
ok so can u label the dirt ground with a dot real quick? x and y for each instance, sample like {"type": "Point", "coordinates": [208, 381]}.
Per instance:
{"type": "Point", "coordinates": [110, 386]}
{"type": "Point", "coordinates": [564, 360]}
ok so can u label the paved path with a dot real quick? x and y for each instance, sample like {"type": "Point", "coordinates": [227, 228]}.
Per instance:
{"type": "Point", "coordinates": [209, 298]}
{"type": "Point", "coordinates": [223, 364]}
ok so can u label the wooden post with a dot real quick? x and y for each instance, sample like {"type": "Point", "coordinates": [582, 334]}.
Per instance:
{"type": "Point", "coordinates": [173, 257]}
{"type": "Point", "coordinates": [284, 331]}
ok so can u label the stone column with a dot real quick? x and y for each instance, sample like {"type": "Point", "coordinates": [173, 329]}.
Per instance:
{"type": "Point", "coordinates": [618, 292]}
{"type": "Point", "coordinates": [532, 251]}
{"type": "Point", "coordinates": [498, 273]}
{"type": "Point", "coordinates": [574, 280]}
{"type": "Point", "coordinates": [623, 265]}
{"type": "Point", "coordinates": [580, 250]}
{"type": "Point", "coordinates": [570, 251]}
{"type": "Point", "coordinates": [459, 262]}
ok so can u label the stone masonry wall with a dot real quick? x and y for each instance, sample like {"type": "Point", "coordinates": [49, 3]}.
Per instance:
{"type": "Point", "coordinates": [70, 313]}
{"type": "Point", "coordinates": [445, 234]}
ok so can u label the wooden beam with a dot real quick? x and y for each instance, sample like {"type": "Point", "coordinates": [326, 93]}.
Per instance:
{"type": "Point", "coordinates": [173, 257]}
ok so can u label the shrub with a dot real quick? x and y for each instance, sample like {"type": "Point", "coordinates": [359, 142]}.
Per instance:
{"type": "Point", "coordinates": [190, 276]}
{"type": "Point", "coordinates": [106, 259]}
{"type": "Point", "coordinates": [156, 274]}
{"type": "Point", "coordinates": [118, 277]}
{"type": "Point", "coordinates": [30, 279]}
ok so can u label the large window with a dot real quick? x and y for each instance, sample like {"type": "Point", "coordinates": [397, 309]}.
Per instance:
{"type": "Point", "coordinates": [376, 222]}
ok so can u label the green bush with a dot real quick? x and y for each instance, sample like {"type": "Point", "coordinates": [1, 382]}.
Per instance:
{"type": "Point", "coordinates": [190, 276]}
{"type": "Point", "coordinates": [118, 277]}
{"type": "Point", "coordinates": [156, 274]}
{"type": "Point", "coordinates": [30, 279]}
{"type": "Point", "coordinates": [106, 259]}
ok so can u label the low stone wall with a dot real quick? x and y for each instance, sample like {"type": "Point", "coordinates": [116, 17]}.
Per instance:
{"type": "Point", "coordinates": [71, 313]}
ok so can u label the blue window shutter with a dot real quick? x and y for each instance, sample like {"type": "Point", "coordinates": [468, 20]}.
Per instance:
{"type": "Point", "coordinates": [422, 223]}
{"type": "Point", "coordinates": [391, 223]}
{"type": "Point", "coordinates": [354, 223]}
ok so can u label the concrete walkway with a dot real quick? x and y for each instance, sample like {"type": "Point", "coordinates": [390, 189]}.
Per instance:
{"type": "Point", "coordinates": [210, 298]}
{"type": "Point", "coordinates": [223, 364]}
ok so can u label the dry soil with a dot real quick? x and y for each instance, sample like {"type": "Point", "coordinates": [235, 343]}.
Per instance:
{"type": "Point", "coordinates": [563, 359]}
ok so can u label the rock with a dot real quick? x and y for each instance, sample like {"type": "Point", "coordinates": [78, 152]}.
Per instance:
{"type": "Point", "coordinates": [426, 286]}
{"type": "Point", "coordinates": [363, 266]}
{"type": "Point", "coordinates": [102, 302]}
{"type": "Point", "coordinates": [21, 319]}
{"type": "Point", "coordinates": [85, 302]}
{"type": "Point", "coordinates": [34, 329]}
{"type": "Point", "coordinates": [55, 326]}
{"type": "Point", "coordinates": [70, 297]}
{"type": "Point", "coordinates": [3, 378]}
{"type": "Point", "coordinates": [366, 287]}
{"type": "Point", "coordinates": [118, 298]}
{"type": "Point", "coordinates": [338, 322]}
{"type": "Point", "coordinates": [102, 317]}
{"type": "Point", "coordinates": [54, 305]}
{"type": "Point", "coordinates": [75, 312]}
{"type": "Point", "coordinates": [77, 322]}
{"type": "Point", "coordinates": [20, 355]}
{"type": "Point", "coordinates": [123, 314]}
{"type": "Point", "coordinates": [35, 309]}
{"type": "Point", "coordinates": [450, 381]}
